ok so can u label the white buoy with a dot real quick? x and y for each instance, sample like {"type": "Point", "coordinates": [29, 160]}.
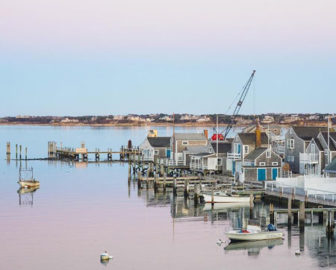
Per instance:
{"type": "Point", "coordinates": [105, 256]}
{"type": "Point", "coordinates": [219, 242]}
{"type": "Point", "coordinates": [297, 252]}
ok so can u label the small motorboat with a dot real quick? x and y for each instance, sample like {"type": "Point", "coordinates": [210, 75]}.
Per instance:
{"type": "Point", "coordinates": [221, 197]}
{"type": "Point", "coordinates": [105, 256]}
{"type": "Point", "coordinates": [223, 206]}
{"type": "Point", "coordinates": [246, 245]}
{"type": "Point", "coordinates": [254, 233]}
{"type": "Point", "coordinates": [27, 182]}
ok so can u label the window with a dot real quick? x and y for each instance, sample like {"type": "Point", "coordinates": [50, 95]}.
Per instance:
{"type": "Point", "coordinates": [268, 154]}
{"type": "Point", "coordinates": [156, 152]}
{"type": "Point", "coordinates": [246, 149]}
{"type": "Point", "coordinates": [290, 158]}
{"type": "Point", "coordinates": [275, 163]}
{"type": "Point", "coordinates": [262, 163]}
{"type": "Point", "coordinates": [291, 143]}
{"type": "Point", "coordinates": [184, 142]}
{"type": "Point", "coordinates": [219, 161]}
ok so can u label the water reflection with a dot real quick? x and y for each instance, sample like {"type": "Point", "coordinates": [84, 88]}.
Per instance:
{"type": "Point", "coordinates": [253, 247]}
{"type": "Point", "coordinates": [312, 239]}
{"type": "Point", "coordinates": [26, 195]}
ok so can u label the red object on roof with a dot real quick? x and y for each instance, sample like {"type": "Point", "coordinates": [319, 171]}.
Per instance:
{"type": "Point", "coordinates": [220, 137]}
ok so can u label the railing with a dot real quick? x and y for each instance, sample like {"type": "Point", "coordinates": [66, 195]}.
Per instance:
{"type": "Point", "coordinates": [234, 156]}
{"type": "Point", "coordinates": [311, 194]}
{"type": "Point", "coordinates": [171, 162]}
{"type": "Point", "coordinates": [309, 158]}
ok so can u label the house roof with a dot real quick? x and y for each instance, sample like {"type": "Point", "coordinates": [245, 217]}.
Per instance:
{"type": "Point", "coordinates": [318, 144]}
{"type": "Point", "coordinates": [223, 147]}
{"type": "Point", "coordinates": [307, 133]}
{"type": "Point", "coordinates": [250, 138]}
{"type": "Point", "coordinates": [255, 153]}
{"type": "Point", "coordinates": [332, 135]}
{"type": "Point", "coordinates": [190, 136]}
{"type": "Point", "coordinates": [159, 141]}
{"type": "Point", "coordinates": [198, 149]}
{"type": "Point", "coordinates": [331, 167]}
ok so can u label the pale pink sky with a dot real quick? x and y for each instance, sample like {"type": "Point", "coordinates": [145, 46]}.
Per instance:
{"type": "Point", "coordinates": [175, 24]}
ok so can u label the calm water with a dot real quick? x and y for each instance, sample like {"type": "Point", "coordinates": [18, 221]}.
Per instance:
{"type": "Point", "coordinates": [79, 211]}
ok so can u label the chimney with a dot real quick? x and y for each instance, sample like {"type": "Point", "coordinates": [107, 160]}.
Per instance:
{"type": "Point", "coordinates": [206, 134]}
{"type": "Point", "coordinates": [258, 135]}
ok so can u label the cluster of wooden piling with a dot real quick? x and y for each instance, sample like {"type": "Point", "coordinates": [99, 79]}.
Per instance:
{"type": "Point", "coordinates": [297, 216]}
{"type": "Point", "coordinates": [18, 152]}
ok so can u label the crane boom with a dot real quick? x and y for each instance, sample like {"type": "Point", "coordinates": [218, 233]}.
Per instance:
{"type": "Point", "coordinates": [239, 104]}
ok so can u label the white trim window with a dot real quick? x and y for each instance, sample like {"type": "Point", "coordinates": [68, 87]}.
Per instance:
{"type": "Point", "coordinates": [184, 142]}
{"type": "Point", "coordinates": [275, 163]}
{"type": "Point", "coordinates": [262, 164]}
{"type": "Point", "coordinates": [246, 149]}
{"type": "Point", "coordinates": [290, 158]}
{"type": "Point", "coordinates": [291, 144]}
{"type": "Point", "coordinates": [268, 154]}
{"type": "Point", "coordinates": [156, 152]}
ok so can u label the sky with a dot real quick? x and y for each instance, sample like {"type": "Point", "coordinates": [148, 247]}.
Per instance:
{"type": "Point", "coordinates": [85, 57]}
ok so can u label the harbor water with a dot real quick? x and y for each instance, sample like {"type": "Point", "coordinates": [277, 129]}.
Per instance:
{"type": "Point", "coordinates": [83, 209]}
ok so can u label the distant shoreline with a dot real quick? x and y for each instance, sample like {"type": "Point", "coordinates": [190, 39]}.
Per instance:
{"type": "Point", "coordinates": [206, 124]}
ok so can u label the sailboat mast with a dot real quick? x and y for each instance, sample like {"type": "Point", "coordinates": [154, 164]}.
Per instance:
{"type": "Point", "coordinates": [328, 139]}
{"type": "Point", "coordinates": [217, 137]}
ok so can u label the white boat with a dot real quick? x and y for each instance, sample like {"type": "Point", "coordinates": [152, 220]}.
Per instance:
{"type": "Point", "coordinates": [253, 233]}
{"type": "Point", "coordinates": [225, 198]}
{"type": "Point", "coordinates": [105, 256]}
{"type": "Point", "coordinates": [223, 206]}
{"type": "Point", "coordinates": [29, 182]}
{"type": "Point", "coordinates": [246, 245]}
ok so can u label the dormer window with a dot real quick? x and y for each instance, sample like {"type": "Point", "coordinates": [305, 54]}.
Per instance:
{"type": "Point", "coordinates": [268, 154]}
{"type": "Point", "coordinates": [246, 149]}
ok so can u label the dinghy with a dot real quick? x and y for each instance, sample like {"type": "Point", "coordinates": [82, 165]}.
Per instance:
{"type": "Point", "coordinates": [220, 197]}
{"type": "Point", "coordinates": [105, 256]}
{"type": "Point", "coordinates": [29, 182]}
{"type": "Point", "coordinates": [253, 233]}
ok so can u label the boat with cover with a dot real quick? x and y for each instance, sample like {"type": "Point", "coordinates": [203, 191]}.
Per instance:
{"type": "Point", "coordinates": [222, 197]}
{"type": "Point", "coordinates": [254, 233]}
{"type": "Point", "coordinates": [27, 182]}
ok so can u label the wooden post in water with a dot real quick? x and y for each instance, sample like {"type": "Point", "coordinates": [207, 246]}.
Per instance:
{"type": "Point", "coordinates": [16, 151]}
{"type": "Point", "coordinates": [20, 151]}
{"type": "Point", "coordinates": [290, 215]}
{"type": "Point", "coordinates": [196, 195]}
{"type": "Point", "coordinates": [26, 153]}
{"type": "Point", "coordinates": [139, 180]}
{"type": "Point", "coordinates": [129, 172]}
{"type": "Point", "coordinates": [271, 213]}
{"type": "Point", "coordinates": [8, 150]}
{"type": "Point", "coordinates": [186, 188]}
{"type": "Point", "coordinates": [302, 215]}
{"type": "Point", "coordinates": [212, 195]}
{"type": "Point", "coordinates": [330, 224]}
{"type": "Point", "coordinates": [164, 181]}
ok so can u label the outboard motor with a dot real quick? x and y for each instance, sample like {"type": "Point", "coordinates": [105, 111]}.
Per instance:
{"type": "Point", "coordinates": [271, 228]}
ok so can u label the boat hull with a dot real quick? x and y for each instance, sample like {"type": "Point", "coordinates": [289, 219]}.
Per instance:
{"type": "Point", "coordinates": [225, 199]}
{"type": "Point", "coordinates": [254, 236]}
{"type": "Point", "coordinates": [29, 184]}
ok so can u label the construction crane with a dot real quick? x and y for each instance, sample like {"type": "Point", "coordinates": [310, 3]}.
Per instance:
{"type": "Point", "coordinates": [222, 135]}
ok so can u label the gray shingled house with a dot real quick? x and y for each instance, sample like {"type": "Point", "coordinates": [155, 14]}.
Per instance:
{"type": "Point", "coordinates": [186, 144]}
{"type": "Point", "coordinates": [297, 139]}
{"type": "Point", "coordinates": [242, 145]}
{"type": "Point", "coordinates": [315, 158]}
{"type": "Point", "coordinates": [211, 162]}
{"type": "Point", "coordinates": [156, 147]}
{"type": "Point", "coordinates": [262, 164]}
